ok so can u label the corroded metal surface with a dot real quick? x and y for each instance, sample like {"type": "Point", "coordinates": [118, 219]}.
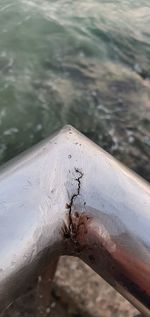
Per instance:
{"type": "Point", "coordinates": [68, 196]}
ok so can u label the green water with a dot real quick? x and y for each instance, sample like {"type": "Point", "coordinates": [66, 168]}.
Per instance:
{"type": "Point", "coordinates": [86, 63]}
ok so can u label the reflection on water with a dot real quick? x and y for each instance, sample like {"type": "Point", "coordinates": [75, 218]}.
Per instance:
{"type": "Point", "coordinates": [77, 62]}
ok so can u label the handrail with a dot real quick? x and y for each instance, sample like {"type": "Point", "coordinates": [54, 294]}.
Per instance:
{"type": "Point", "coordinates": [68, 196]}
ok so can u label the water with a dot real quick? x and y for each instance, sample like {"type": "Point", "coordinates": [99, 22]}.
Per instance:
{"type": "Point", "coordinates": [86, 63]}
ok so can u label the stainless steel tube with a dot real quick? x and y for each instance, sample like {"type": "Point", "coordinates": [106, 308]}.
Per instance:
{"type": "Point", "coordinates": [68, 196]}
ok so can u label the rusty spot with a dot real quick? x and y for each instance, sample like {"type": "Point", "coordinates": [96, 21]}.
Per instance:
{"type": "Point", "coordinates": [76, 229]}
{"type": "Point", "coordinates": [67, 206]}
{"type": "Point", "coordinates": [79, 225]}
{"type": "Point", "coordinates": [65, 232]}
{"type": "Point", "coordinates": [76, 214]}
{"type": "Point", "coordinates": [75, 235]}
{"type": "Point", "coordinates": [78, 180]}
{"type": "Point", "coordinates": [66, 235]}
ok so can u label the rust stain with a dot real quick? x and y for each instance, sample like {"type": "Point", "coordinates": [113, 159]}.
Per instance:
{"type": "Point", "coordinates": [76, 223]}
{"type": "Point", "coordinates": [76, 233]}
{"type": "Point", "coordinates": [69, 206]}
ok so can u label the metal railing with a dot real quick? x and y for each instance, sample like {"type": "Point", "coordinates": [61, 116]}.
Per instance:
{"type": "Point", "coordinates": [68, 196]}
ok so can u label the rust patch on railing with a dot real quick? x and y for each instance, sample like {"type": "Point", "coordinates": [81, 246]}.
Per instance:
{"type": "Point", "coordinates": [76, 234]}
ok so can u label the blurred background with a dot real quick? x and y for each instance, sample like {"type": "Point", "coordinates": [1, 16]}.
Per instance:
{"type": "Point", "coordinates": [86, 63]}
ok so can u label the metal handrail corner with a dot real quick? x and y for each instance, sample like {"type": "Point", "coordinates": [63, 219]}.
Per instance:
{"type": "Point", "coordinates": [68, 196]}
